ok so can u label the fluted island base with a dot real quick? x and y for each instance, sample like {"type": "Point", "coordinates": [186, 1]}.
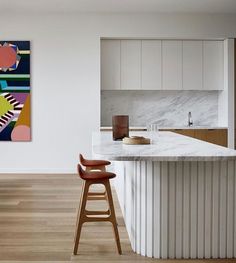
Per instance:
{"type": "Point", "coordinates": [179, 209]}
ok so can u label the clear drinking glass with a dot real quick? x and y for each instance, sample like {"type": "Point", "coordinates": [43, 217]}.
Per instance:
{"type": "Point", "coordinates": [153, 131]}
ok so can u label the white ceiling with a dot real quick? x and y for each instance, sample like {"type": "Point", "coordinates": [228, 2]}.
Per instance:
{"type": "Point", "coordinates": [120, 6]}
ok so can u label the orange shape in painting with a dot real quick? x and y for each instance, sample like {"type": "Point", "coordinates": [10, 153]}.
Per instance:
{"type": "Point", "coordinates": [7, 57]}
{"type": "Point", "coordinates": [24, 118]}
{"type": "Point", "coordinates": [21, 133]}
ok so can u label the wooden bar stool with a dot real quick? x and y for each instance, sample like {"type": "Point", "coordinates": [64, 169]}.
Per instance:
{"type": "Point", "coordinates": [93, 164]}
{"type": "Point", "coordinates": [84, 215]}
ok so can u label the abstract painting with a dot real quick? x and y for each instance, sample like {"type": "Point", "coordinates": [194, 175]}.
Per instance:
{"type": "Point", "coordinates": [15, 118]}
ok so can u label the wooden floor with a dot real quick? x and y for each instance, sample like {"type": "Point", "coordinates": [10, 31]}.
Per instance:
{"type": "Point", "coordinates": [37, 222]}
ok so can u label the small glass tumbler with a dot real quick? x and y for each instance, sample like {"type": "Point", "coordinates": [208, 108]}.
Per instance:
{"type": "Point", "coordinates": [152, 131]}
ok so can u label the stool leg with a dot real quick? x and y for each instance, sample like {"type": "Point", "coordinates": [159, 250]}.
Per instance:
{"type": "Point", "coordinates": [113, 215]}
{"type": "Point", "coordinates": [80, 202]}
{"type": "Point", "coordinates": [81, 215]}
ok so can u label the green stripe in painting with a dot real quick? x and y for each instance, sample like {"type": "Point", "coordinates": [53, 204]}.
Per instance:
{"type": "Point", "coordinates": [14, 76]}
{"type": "Point", "coordinates": [2, 76]}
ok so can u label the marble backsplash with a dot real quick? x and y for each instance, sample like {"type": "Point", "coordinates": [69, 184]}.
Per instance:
{"type": "Point", "coordinates": [166, 108]}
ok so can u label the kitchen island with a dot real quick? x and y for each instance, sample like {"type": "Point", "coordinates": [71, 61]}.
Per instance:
{"type": "Point", "coordinates": [177, 195]}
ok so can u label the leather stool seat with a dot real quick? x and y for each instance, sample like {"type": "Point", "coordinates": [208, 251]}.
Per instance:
{"type": "Point", "coordinates": [93, 175]}
{"type": "Point", "coordinates": [94, 164]}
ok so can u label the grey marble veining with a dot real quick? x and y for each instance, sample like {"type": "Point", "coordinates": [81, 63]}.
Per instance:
{"type": "Point", "coordinates": [166, 146]}
{"type": "Point", "coordinates": [166, 108]}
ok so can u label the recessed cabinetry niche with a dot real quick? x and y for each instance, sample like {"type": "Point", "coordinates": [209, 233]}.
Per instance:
{"type": "Point", "coordinates": [216, 136]}
{"type": "Point", "coordinates": [162, 64]}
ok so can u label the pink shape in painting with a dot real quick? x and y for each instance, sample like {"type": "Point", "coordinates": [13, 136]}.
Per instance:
{"type": "Point", "coordinates": [21, 133]}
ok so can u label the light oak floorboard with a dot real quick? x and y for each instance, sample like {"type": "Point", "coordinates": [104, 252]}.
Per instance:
{"type": "Point", "coordinates": [37, 224]}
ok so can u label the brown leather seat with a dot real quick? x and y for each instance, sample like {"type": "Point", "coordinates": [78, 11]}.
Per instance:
{"type": "Point", "coordinates": [94, 175]}
{"type": "Point", "coordinates": [92, 163]}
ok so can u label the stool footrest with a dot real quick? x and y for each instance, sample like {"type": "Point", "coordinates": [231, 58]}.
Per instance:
{"type": "Point", "coordinates": [97, 219]}
{"type": "Point", "coordinates": [98, 197]}
{"type": "Point", "coordinates": [96, 193]}
{"type": "Point", "coordinates": [97, 212]}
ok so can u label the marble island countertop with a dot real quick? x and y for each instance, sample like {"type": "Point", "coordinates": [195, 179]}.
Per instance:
{"type": "Point", "coordinates": [109, 128]}
{"type": "Point", "coordinates": [166, 146]}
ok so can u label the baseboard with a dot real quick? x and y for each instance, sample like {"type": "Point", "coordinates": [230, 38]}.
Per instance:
{"type": "Point", "coordinates": [37, 171]}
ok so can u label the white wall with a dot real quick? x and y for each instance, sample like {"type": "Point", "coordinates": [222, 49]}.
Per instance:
{"type": "Point", "coordinates": [65, 75]}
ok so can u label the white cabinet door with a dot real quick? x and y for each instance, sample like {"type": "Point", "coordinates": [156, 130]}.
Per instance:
{"type": "Point", "coordinates": [213, 65]}
{"type": "Point", "coordinates": [151, 65]}
{"type": "Point", "coordinates": [130, 64]}
{"type": "Point", "coordinates": [172, 64]}
{"type": "Point", "coordinates": [110, 64]}
{"type": "Point", "coordinates": [192, 65]}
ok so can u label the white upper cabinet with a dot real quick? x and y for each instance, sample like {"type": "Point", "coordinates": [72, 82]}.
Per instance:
{"type": "Point", "coordinates": [151, 65]}
{"type": "Point", "coordinates": [192, 65]}
{"type": "Point", "coordinates": [130, 64]}
{"type": "Point", "coordinates": [110, 64]}
{"type": "Point", "coordinates": [172, 65]}
{"type": "Point", "coordinates": [162, 64]}
{"type": "Point", "coordinates": [213, 65]}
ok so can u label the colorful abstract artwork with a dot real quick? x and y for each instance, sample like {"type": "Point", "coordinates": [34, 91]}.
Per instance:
{"type": "Point", "coordinates": [15, 91]}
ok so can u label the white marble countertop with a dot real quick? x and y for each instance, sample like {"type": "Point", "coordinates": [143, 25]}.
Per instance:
{"type": "Point", "coordinates": [108, 128]}
{"type": "Point", "coordinates": [166, 146]}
